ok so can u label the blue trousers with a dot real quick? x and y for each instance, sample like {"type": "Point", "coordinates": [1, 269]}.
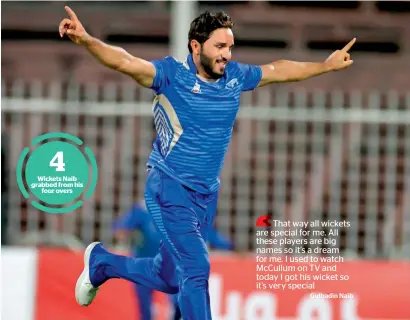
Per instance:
{"type": "Point", "coordinates": [177, 311]}
{"type": "Point", "coordinates": [144, 297]}
{"type": "Point", "coordinates": [183, 217]}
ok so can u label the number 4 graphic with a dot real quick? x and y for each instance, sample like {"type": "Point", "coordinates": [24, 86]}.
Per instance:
{"type": "Point", "coordinates": [58, 161]}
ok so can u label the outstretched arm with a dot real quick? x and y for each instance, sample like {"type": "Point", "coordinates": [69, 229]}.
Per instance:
{"type": "Point", "coordinates": [112, 57]}
{"type": "Point", "coordinates": [288, 71]}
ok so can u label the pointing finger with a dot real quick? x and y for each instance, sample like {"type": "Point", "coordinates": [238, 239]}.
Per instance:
{"type": "Point", "coordinates": [349, 45]}
{"type": "Point", "coordinates": [71, 13]}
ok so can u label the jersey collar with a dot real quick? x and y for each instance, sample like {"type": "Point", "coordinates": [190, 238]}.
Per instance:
{"type": "Point", "coordinates": [191, 64]}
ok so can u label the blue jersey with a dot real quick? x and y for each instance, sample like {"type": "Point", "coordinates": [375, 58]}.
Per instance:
{"type": "Point", "coordinates": [194, 119]}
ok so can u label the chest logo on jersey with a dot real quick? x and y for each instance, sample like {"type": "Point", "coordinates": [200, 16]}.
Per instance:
{"type": "Point", "coordinates": [196, 88]}
{"type": "Point", "coordinates": [232, 83]}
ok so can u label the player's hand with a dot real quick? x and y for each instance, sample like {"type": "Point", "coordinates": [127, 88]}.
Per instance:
{"type": "Point", "coordinates": [340, 59]}
{"type": "Point", "coordinates": [73, 28]}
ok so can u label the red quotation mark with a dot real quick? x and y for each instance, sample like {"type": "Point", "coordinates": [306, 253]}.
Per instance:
{"type": "Point", "coordinates": [264, 221]}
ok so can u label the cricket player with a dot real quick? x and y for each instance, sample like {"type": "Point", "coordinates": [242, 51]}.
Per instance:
{"type": "Point", "coordinates": [194, 111]}
{"type": "Point", "coordinates": [147, 245]}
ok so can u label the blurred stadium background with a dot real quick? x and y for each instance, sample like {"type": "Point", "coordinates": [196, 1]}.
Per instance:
{"type": "Point", "coordinates": [332, 147]}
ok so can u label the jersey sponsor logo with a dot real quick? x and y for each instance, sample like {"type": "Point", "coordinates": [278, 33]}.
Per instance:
{"type": "Point", "coordinates": [196, 88]}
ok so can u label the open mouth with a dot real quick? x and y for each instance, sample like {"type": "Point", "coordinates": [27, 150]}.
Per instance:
{"type": "Point", "coordinates": [221, 64]}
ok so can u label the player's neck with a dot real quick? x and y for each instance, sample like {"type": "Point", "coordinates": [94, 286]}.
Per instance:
{"type": "Point", "coordinates": [202, 74]}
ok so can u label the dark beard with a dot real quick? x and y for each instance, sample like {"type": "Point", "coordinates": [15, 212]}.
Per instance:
{"type": "Point", "coordinates": [206, 63]}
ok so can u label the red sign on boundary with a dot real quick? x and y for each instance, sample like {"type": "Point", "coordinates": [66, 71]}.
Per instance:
{"type": "Point", "coordinates": [381, 291]}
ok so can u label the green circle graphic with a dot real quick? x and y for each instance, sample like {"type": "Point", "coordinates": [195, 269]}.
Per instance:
{"type": "Point", "coordinates": [57, 172]}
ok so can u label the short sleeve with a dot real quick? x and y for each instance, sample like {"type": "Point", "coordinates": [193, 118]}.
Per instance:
{"type": "Point", "coordinates": [165, 69]}
{"type": "Point", "coordinates": [252, 75]}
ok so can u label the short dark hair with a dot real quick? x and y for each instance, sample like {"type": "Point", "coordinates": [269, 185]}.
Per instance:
{"type": "Point", "coordinates": [203, 26]}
